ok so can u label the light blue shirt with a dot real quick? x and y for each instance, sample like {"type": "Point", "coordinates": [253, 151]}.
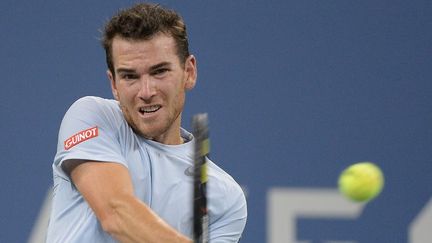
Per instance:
{"type": "Point", "coordinates": [95, 129]}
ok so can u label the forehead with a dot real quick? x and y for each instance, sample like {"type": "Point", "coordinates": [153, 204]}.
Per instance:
{"type": "Point", "coordinates": [159, 48]}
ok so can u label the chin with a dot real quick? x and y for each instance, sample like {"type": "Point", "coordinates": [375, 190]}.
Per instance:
{"type": "Point", "coordinates": [150, 132]}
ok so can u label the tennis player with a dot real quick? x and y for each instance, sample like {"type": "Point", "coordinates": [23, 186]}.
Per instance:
{"type": "Point", "coordinates": [123, 168]}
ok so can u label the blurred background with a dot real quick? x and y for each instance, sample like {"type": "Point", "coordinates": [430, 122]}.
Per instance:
{"type": "Point", "coordinates": [296, 91]}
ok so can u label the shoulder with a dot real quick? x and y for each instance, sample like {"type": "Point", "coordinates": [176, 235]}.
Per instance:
{"type": "Point", "coordinates": [227, 206]}
{"type": "Point", "coordinates": [95, 103]}
{"type": "Point", "coordinates": [91, 111]}
{"type": "Point", "coordinates": [223, 182]}
{"type": "Point", "coordinates": [91, 129]}
{"type": "Point", "coordinates": [92, 107]}
{"type": "Point", "coordinates": [221, 175]}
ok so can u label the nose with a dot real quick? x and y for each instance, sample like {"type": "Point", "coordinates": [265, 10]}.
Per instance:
{"type": "Point", "coordinates": [147, 88]}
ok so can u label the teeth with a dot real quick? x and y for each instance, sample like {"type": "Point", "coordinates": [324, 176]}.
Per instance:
{"type": "Point", "coordinates": [149, 109]}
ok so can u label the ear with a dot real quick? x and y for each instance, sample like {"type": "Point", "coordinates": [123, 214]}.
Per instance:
{"type": "Point", "coordinates": [190, 72]}
{"type": "Point", "coordinates": [113, 84]}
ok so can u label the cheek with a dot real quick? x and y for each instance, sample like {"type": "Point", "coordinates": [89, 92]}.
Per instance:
{"type": "Point", "coordinates": [125, 94]}
{"type": "Point", "coordinates": [179, 99]}
{"type": "Point", "coordinates": [179, 94]}
{"type": "Point", "coordinates": [169, 90]}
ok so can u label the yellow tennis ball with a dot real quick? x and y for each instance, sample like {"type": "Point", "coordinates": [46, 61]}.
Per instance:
{"type": "Point", "coordinates": [361, 182]}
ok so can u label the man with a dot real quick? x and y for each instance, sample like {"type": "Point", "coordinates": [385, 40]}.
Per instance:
{"type": "Point", "coordinates": [121, 168]}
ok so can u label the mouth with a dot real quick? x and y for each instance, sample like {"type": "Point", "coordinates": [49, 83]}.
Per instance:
{"type": "Point", "coordinates": [149, 109]}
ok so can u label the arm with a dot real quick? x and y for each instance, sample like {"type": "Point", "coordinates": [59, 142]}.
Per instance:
{"type": "Point", "coordinates": [108, 189]}
{"type": "Point", "coordinates": [229, 215]}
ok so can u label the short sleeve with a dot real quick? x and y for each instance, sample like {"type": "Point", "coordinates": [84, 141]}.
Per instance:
{"type": "Point", "coordinates": [90, 131]}
{"type": "Point", "coordinates": [231, 220]}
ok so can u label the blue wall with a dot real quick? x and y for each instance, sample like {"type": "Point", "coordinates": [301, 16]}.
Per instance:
{"type": "Point", "coordinates": [295, 90]}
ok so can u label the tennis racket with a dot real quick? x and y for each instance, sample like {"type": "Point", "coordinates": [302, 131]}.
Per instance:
{"type": "Point", "coordinates": [202, 149]}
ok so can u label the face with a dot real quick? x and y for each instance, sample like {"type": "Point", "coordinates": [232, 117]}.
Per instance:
{"type": "Point", "coordinates": [150, 84]}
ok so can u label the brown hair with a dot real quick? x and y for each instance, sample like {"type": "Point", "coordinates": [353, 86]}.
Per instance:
{"type": "Point", "coordinates": [141, 22]}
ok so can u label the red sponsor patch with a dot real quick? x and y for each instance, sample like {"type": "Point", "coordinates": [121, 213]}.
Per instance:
{"type": "Point", "coordinates": [81, 137]}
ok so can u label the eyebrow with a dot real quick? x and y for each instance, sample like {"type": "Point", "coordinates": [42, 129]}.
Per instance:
{"type": "Point", "coordinates": [125, 70]}
{"type": "Point", "coordinates": [159, 65]}
{"type": "Point", "coordinates": [152, 68]}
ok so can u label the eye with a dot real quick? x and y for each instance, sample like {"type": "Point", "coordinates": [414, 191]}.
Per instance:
{"type": "Point", "coordinates": [160, 72]}
{"type": "Point", "coordinates": [129, 76]}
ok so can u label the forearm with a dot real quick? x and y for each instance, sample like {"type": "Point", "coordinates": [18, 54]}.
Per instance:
{"type": "Point", "coordinates": [108, 190]}
{"type": "Point", "coordinates": [130, 220]}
